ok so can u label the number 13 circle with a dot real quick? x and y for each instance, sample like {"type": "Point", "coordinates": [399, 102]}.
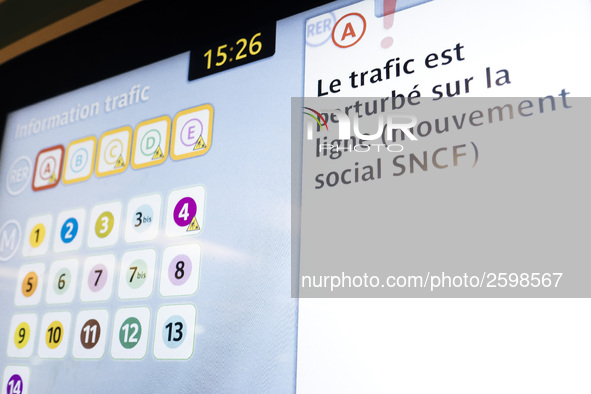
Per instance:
{"type": "Point", "coordinates": [174, 331]}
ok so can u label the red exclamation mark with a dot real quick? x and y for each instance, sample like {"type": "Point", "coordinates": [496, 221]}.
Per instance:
{"type": "Point", "coordinates": [389, 8]}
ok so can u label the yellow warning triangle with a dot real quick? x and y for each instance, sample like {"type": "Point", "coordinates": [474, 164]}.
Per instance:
{"type": "Point", "coordinates": [52, 178]}
{"type": "Point", "coordinates": [200, 143]}
{"type": "Point", "coordinates": [120, 163]}
{"type": "Point", "coordinates": [158, 154]}
{"type": "Point", "coordinates": [194, 225]}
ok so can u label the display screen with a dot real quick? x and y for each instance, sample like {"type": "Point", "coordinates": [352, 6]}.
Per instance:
{"type": "Point", "coordinates": [181, 227]}
{"type": "Point", "coordinates": [145, 239]}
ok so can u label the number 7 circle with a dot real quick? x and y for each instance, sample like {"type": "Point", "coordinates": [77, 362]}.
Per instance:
{"type": "Point", "coordinates": [97, 278]}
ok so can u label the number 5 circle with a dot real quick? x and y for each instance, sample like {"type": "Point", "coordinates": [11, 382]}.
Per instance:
{"type": "Point", "coordinates": [29, 284]}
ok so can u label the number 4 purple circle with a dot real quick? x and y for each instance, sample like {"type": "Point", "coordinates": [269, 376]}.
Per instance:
{"type": "Point", "coordinates": [184, 211]}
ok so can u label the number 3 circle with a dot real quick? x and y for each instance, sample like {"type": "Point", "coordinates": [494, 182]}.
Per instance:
{"type": "Point", "coordinates": [104, 224]}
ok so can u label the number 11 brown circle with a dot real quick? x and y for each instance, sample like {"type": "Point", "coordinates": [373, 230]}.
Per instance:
{"type": "Point", "coordinates": [90, 334]}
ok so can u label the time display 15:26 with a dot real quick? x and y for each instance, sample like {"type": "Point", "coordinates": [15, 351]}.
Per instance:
{"type": "Point", "coordinates": [240, 49]}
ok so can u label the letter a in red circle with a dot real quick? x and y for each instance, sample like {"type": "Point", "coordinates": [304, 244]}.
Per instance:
{"type": "Point", "coordinates": [349, 30]}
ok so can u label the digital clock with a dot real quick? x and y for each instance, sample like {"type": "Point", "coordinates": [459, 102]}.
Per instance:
{"type": "Point", "coordinates": [234, 51]}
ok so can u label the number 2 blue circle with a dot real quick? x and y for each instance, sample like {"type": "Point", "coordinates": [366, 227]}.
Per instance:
{"type": "Point", "coordinates": [69, 230]}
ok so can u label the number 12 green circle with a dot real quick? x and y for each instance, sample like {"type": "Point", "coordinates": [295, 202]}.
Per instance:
{"type": "Point", "coordinates": [130, 332]}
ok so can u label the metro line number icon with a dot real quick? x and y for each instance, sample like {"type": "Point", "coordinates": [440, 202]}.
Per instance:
{"type": "Point", "coordinates": [69, 230]}
{"type": "Point", "coordinates": [185, 211]}
{"type": "Point", "coordinates": [15, 380]}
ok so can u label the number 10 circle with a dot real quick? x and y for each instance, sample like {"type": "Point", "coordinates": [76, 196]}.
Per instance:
{"type": "Point", "coordinates": [54, 334]}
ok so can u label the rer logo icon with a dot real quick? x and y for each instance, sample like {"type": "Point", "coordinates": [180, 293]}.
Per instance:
{"type": "Point", "coordinates": [191, 132]}
{"type": "Point", "coordinates": [19, 175]}
{"type": "Point", "coordinates": [150, 146]}
{"type": "Point", "coordinates": [113, 152]}
{"type": "Point", "coordinates": [48, 168]}
{"type": "Point", "coordinates": [319, 29]}
{"type": "Point", "coordinates": [79, 160]}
